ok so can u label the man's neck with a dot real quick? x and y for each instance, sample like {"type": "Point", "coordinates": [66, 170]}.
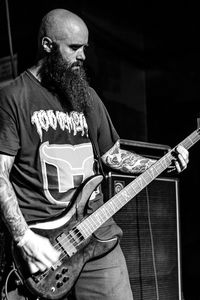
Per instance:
{"type": "Point", "coordinates": [35, 71]}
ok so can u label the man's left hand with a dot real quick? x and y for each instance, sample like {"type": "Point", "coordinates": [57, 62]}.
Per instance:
{"type": "Point", "coordinates": [181, 158]}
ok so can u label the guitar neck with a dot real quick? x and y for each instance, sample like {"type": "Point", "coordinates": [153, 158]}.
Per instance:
{"type": "Point", "coordinates": [106, 211]}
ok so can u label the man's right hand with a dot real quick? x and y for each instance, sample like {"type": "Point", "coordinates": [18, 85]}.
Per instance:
{"type": "Point", "coordinates": [38, 252]}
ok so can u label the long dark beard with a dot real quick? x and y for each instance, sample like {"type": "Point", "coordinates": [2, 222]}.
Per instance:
{"type": "Point", "coordinates": [71, 86]}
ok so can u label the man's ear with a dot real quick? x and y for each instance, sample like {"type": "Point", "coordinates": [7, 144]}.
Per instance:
{"type": "Point", "coordinates": [46, 44]}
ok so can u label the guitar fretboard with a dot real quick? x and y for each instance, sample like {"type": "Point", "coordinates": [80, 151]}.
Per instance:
{"type": "Point", "coordinates": [106, 211]}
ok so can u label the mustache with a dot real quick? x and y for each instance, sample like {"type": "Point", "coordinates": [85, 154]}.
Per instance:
{"type": "Point", "coordinates": [77, 64]}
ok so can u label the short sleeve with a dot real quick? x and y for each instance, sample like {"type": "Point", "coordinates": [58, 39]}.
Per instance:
{"type": "Point", "coordinates": [106, 133]}
{"type": "Point", "coordinates": [9, 138]}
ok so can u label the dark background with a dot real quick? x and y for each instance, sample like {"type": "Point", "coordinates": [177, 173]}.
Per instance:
{"type": "Point", "coordinates": [143, 60]}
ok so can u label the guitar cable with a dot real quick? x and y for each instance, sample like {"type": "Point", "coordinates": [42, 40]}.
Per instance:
{"type": "Point", "coordinates": [18, 281]}
{"type": "Point", "coordinates": [152, 243]}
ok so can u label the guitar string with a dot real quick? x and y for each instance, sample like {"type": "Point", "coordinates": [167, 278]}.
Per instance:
{"type": "Point", "coordinates": [187, 143]}
{"type": "Point", "coordinates": [66, 237]}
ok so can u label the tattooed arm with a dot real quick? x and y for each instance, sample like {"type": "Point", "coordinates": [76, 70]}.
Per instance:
{"type": "Point", "coordinates": [36, 250]}
{"type": "Point", "coordinates": [128, 162]}
{"type": "Point", "coordinates": [10, 211]}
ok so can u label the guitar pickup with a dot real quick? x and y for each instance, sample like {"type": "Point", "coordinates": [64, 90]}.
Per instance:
{"type": "Point", "coordinates": [67, 244]}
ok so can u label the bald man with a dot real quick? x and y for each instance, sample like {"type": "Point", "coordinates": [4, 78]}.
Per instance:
{"type": "Point", "coordinates": [55, 133]}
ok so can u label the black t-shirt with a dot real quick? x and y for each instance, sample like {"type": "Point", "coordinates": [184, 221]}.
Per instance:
{"type": "Point", "coordinates": [54, 154]}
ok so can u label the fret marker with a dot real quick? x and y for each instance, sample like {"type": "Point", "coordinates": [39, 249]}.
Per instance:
{"type": "Point", "coordinates": [125, 195]}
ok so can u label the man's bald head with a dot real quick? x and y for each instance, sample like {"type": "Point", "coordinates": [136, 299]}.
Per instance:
{"type": "Point", "coordinates": [60, 24]}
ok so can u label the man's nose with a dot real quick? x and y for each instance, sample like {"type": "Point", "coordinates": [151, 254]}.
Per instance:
{"type": "Point", "coordinates": [80, 54]}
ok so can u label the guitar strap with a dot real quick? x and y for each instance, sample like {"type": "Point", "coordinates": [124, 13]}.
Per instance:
{"type": "Point", "coordinates": [92, 130]}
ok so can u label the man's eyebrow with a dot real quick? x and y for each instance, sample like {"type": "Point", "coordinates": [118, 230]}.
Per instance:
{"type": "Point", "coordinates": [79, 45]}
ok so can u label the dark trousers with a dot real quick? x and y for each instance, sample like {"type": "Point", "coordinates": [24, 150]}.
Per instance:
{"type": "Point", "coordinates": [102, 279]}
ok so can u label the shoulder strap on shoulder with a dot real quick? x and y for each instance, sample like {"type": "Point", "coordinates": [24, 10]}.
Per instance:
{"type": "Point", "coordinates": [92, 130]}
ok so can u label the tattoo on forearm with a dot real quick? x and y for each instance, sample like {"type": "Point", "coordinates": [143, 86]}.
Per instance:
{"type": "Point", "coordinates": [9, 207]}
{"type": "Point", "coordinates": [126, 161]}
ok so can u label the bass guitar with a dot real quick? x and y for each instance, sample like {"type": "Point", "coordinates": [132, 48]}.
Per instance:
{"type": "Point", "coordinates": [72, 233]}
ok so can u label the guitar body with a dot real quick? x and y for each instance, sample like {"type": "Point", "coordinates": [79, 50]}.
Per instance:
{"type": "Point", "coordinates": [58, 281]}
{"type": "Point", "coordinates": [76, 250]}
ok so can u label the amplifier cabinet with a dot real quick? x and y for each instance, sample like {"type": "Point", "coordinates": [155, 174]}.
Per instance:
{"type": "Point", "coordinates": [151, 237]}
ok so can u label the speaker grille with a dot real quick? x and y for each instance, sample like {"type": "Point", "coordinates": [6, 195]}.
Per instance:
{"type": "Point", "coordinates": [150, 223]}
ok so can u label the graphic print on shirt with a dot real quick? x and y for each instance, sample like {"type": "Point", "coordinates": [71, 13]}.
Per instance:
{"type": "Point", "coordinates": [64, 167]}
{"type": "Point", "coordinates": [74, 122]}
